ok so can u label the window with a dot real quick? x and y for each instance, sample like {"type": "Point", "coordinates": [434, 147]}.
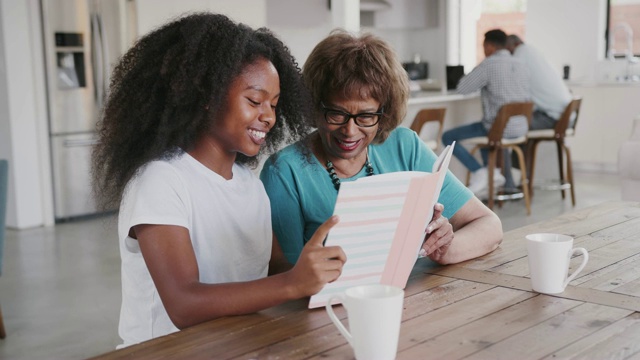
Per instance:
{"type": "Point", "coordinates": [508, 16]}
{"type": "Point", "coordinates": [623, 21]}
{"type": "Point", "coordinates": [470, 19]}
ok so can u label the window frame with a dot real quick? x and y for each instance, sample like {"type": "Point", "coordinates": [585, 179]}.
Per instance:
{"type": "Point", "coordinates": [606, 36]}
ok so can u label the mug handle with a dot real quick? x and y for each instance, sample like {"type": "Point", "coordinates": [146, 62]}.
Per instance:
{"type": "Point", "coordinates": [585, 258]}
{"type": "Point", "coordinates": [337, 321]}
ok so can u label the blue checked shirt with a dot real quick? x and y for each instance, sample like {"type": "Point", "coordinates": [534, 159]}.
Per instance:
{"type": "Point", "coordinates": [501, 79]}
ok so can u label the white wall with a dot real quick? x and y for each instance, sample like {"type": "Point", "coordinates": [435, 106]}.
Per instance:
{"type": "Point", "coordinates": [568, 32]}
{"type": "Point", "coordinates": [153, 13]}
{"type": "Point", "coordinates": [299, 24]}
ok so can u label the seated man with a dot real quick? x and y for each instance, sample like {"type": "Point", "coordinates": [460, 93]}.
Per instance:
{"type": "Point", "coordinates": [501, 79]}
{"type": "Point", "coordinates": [549, 93]}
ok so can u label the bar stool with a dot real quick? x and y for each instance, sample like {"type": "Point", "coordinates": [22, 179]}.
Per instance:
{"type": "Point", "coordinates": [564, 128]}
{"type": "Point", "coordinates": [430, 115]}
{"type": "Point", "coordinates": [495, 143]}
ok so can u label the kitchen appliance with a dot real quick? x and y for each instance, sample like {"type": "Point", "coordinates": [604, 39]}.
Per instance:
{"type": "Point", "coordinates": [417, 70]}
{"type": "Point", "coordinates": [83, 39]}
{"type": "Point", "coordinates": [454, 74]}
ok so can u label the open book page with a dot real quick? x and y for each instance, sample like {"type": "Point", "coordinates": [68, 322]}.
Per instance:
{"type": "Point", "coordinates": [382, 224]}
{"type": "Point", "coordinates": [440, 167]}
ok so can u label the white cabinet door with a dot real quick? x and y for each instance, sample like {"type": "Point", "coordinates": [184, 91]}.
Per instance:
{"type": "Point", "coordinates": [408, 14]}
{"type": "Point", "coordinates": [605, 122]}
{"type": "Point", "coordinates": [153, 13]}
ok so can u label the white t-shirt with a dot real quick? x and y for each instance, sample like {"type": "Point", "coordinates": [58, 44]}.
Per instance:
{"type": "Point", "coordinates": [548, 91]}
{"type": "Point", "coordinates": [229, 222]}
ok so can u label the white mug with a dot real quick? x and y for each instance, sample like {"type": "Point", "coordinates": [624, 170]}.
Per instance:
{"type": "Point", "coordinates": [549, 257]}
{"type": "Point", "coordinates": [375, 313]}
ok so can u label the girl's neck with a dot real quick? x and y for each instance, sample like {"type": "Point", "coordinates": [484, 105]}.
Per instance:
{"type": "Point", "coordinates": [215, 160]}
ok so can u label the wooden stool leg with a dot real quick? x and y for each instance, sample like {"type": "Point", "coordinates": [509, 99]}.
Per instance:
{"type": "Point", "coordinates": [570, 174]}
{"type": "Point", "coordinates": [560, 165]}
{"type": "Point", "coordinates": [532, 161]}
{"type": "Point", "coordinates": [527, 155]}
{"type": "Point", "coordinates": [472, 152]}
{"type": "Point", "coordinates": [492, 165]}
{"type": "Point", "coordinates": [525, 186]}
{"type": "Point", "coordinates": [501, 158]}
{"type": "Point", "coordinates": [3, 334]}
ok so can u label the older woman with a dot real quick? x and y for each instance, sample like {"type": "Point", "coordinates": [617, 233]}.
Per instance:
{"type": "Point", "coordinates": [359, 92]}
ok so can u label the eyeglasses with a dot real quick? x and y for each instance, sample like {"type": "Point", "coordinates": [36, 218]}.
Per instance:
{"type": "Point", "coordinates": [337, 117]}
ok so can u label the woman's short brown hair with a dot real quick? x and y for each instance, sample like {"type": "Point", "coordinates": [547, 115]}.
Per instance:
{"type": "Point", "coordinates": [344, 65]}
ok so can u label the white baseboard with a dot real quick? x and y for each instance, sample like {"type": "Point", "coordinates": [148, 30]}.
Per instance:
{"type": "Point", "coordinates": [606, 168]}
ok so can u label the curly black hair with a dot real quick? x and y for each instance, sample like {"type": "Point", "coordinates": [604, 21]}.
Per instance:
{"type": "Point", "coordinates": [166, 89]}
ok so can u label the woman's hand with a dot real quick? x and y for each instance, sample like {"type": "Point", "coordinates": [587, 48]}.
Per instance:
{"type": "Point", "coordinates": [317, 264]}
{"type": "Point", "coordinates": [439, 235]}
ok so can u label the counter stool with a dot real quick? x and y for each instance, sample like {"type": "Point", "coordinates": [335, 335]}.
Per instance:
{"type": "Point", "coordinates": [495, 143]}
{"type": "Point", "coordinates": [564, 128]}
{"type": "Point", "coordinates": [430, 115]}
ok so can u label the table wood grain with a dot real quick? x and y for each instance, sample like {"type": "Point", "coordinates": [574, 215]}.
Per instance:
{"type": "Point", "coordinates": [480, 309]}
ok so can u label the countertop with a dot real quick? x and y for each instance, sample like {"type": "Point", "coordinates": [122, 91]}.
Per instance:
{"type": "Point", "coordinates": [438, 96]}
{"type": "Point", "coordinates": [603, 84]}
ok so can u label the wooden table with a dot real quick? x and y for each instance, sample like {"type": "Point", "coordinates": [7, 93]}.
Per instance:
{"type": "Point", "coordinates": [483, 308]}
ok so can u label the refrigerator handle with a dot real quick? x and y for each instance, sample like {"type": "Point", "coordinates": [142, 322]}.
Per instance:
{"type": "Point", "coordinates": [104, 43]}
{"type": "Point", "coordinates": [100, 51]}
{"type": "Point", "coordinates": [96, 54]}
{"type": "Point", "coordinates": [80, 142]}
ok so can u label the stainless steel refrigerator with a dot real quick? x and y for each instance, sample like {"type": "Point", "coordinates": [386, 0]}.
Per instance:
{"type": "Point", "coordinates": [83, 40]}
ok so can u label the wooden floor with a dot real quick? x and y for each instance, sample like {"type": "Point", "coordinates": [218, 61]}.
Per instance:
{"type": "Point", "coordinates": [60, 288]}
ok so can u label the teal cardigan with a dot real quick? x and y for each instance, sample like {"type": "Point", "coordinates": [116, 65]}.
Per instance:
{"type": "Point", "coordinates": [302, 195]}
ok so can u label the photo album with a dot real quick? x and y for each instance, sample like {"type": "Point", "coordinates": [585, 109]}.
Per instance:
{"type": "Point", "coordinates": [382, 226]}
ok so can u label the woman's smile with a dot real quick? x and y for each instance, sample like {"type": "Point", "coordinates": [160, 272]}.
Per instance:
{"type": "Point", "coordinates": [348, 145]}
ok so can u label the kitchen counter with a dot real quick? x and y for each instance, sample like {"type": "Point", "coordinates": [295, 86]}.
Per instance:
{"type": "Point", "coordinates": [460, 110]}
{"type": "Point", "coordinates": [612, 83]}
{"type": "Point", "coordinates": [438, 96]}
{"type": "Point", "coordinates": [605, 122]}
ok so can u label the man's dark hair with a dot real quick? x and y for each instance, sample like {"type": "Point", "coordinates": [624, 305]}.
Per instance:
{"type": "Point", "coordinates": [496, 37]}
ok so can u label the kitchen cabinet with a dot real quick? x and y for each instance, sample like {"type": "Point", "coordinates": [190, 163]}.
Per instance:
{"type": "Point", "coordinates": [606, 118]}
{"type": "Point", "coordinates": [408, 14]}
{"type": "Point", "coordinates": [153, 13]}
{"type": "Point", "coordinates": [605, 121]}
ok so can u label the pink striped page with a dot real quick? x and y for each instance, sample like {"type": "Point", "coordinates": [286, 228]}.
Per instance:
{"type": "Point", "coordinates": [381, 228]}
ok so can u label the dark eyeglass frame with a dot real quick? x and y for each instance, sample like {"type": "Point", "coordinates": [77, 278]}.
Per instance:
{"type": "Point", "coordinates": [349, 116]}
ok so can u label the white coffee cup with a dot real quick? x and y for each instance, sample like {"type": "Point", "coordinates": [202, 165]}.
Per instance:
{"type": "Point", "coordinates": [375, 313]}
{"type": "Point", "coordinates": [549, 258]}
